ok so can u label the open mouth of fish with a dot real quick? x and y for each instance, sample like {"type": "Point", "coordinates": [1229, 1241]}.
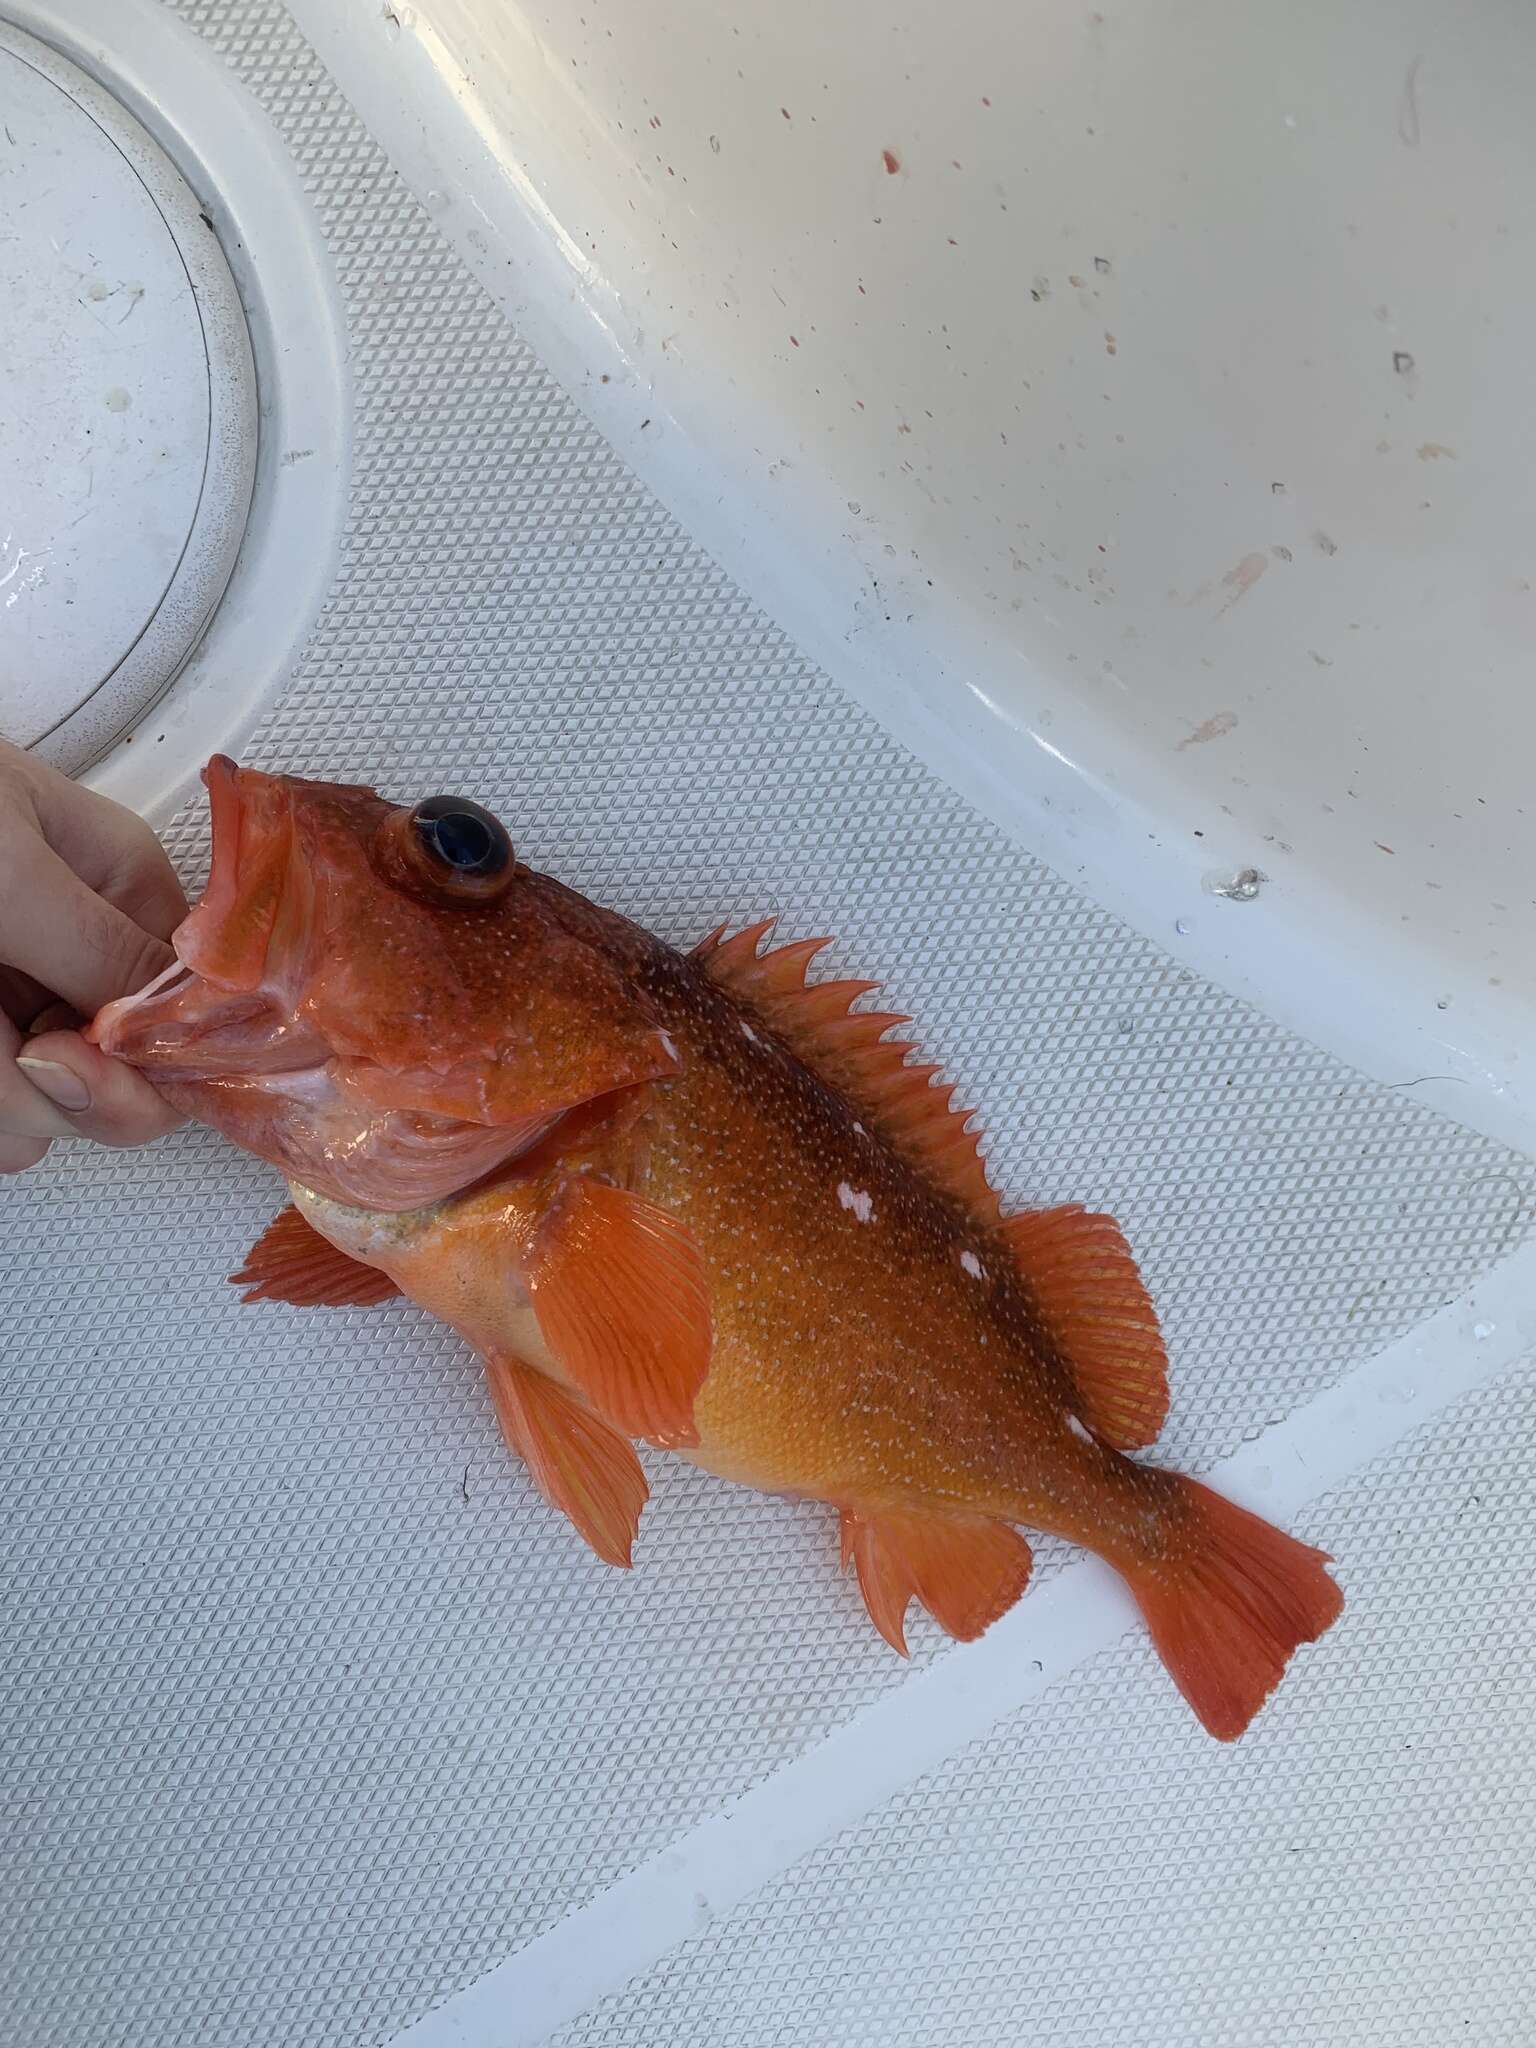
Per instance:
{"type": "Point", "coordinates": [222, 1032]}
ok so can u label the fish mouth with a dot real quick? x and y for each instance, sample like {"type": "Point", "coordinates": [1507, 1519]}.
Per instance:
{"type": "Point", "coordinates": [253, 917]}
{"type": "Point", "coordinates": [221, 1007]}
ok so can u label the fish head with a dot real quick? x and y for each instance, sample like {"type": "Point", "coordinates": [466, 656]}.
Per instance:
{"type": "Point", "coordinates": [381, 1000]}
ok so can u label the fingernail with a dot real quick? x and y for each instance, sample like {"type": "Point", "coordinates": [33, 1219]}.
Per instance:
{"type": "Point", "coordinates": [59, 1084]}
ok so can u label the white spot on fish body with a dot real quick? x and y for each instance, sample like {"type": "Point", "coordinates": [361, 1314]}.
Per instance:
{"type": "Point", "coordinates": [857, 1200]}
{"type": "Point", "coordinates": [749, 1034]}
{"type": "Point", "coordinates": [973, 1265]}
{"type": "Point", "coordinates": [669, 1046]}
{"type": "Point", "coordinates": [1078, 1430]}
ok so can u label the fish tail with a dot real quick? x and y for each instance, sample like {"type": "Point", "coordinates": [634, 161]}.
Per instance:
{"type": "Point", "coordinates": [1229, 1603]}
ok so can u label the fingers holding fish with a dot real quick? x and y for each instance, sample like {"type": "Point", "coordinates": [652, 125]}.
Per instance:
{"type": "Point", "coordinates": [54, 1085]}
{"type": "Point", "coordinates": [28, 1121]}
{"type": "Point", "coordinates": [90, 902]}
{"type": "Point", "coordinates": [92, 1096]}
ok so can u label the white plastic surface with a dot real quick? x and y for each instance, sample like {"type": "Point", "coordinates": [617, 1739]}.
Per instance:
{"type": "Point", "coordinates": [265, 252]}
{"type": "Point", "coordinates": [1129, 405]}
{"type": "Point", "coordinates": [1047, 1885]}
{"type": "Point", "coordinates": [124, 489]}
{"type": "Point", "coordinates": [127, 412]}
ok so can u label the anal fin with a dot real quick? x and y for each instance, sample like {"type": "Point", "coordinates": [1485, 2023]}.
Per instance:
{"type": "Point", "coordinates": [965, 1569]}
{"type": "Point", "coordinates": [292, 1262]}
{"type": "Point", "coordinates": [580, 1465]}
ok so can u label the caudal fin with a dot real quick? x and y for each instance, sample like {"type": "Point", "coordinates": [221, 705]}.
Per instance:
{"type": "Point", "coordinates": [1227, 1611]}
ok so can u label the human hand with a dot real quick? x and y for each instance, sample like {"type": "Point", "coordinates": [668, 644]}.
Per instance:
{"type": "Point", "coordinates": [88, 902]}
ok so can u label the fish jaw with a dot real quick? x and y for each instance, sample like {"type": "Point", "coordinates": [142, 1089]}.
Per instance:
{"type": "Point", "coordinates": [232, 1059]}
{"type": "Point", "coordinates": [181, 1028]}
{"type": "Point", "coordinates": [254, 924]}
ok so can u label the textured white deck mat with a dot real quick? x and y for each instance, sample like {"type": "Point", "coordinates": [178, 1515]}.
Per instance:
{"type": "Point", "coordinates": [1358, 1872]}
{"type": "Point", "coordinates": [311, 1714]}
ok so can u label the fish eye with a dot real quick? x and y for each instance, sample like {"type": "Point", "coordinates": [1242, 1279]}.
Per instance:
{"type": "Point", "coordinates": [458, 848]}
{"type": "Point", "coordinates": [461, 836]}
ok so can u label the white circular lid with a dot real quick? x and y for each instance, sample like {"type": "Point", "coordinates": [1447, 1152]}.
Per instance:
{"type": "Point", "coordinates": [127, 411]}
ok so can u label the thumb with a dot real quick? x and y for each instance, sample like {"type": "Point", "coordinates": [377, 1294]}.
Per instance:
{"type": "Point", "coordinates": [119, 1106]}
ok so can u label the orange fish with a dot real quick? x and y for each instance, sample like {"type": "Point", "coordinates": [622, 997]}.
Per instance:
{"type": "Point", "coordinates": [696, 1199]}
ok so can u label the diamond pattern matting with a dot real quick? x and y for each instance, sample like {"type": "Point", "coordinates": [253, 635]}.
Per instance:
{"type": "Point", "coordinates": [1357, 1873]}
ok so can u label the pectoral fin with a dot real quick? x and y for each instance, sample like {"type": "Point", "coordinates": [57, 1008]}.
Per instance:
{"type": "Point", "coordinates": [622, 1301]}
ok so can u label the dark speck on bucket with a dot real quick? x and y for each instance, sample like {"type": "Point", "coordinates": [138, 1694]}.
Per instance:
{"type": "Point", "coordinates": [891, 161]}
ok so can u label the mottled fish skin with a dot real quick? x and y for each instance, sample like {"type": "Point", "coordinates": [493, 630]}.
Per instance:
{"type": "Point", "coordinates": [700, 1199]}
{"type": "Point", "coordinates": [857, 1357]}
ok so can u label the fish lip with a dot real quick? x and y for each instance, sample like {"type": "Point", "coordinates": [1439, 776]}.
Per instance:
{"type": "Point", "coordinates": [109, 1019]}
{"type": "Point", "coordinates": [226, 814]}
{"type": "Point", "coordinates": [241, 820]}
{"type": "Point", "coordinates": [227, 809]}
{"type": "Point", "coordinates": [221, 778]}
{"type": "Point", "coordinates": [154, 1031]}
{"type": "Point", "coordinates": [254, 903]}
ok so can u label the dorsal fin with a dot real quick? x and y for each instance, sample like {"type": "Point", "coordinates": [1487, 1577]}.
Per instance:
{"type": "Point", "coordinates": [848, 1048]}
